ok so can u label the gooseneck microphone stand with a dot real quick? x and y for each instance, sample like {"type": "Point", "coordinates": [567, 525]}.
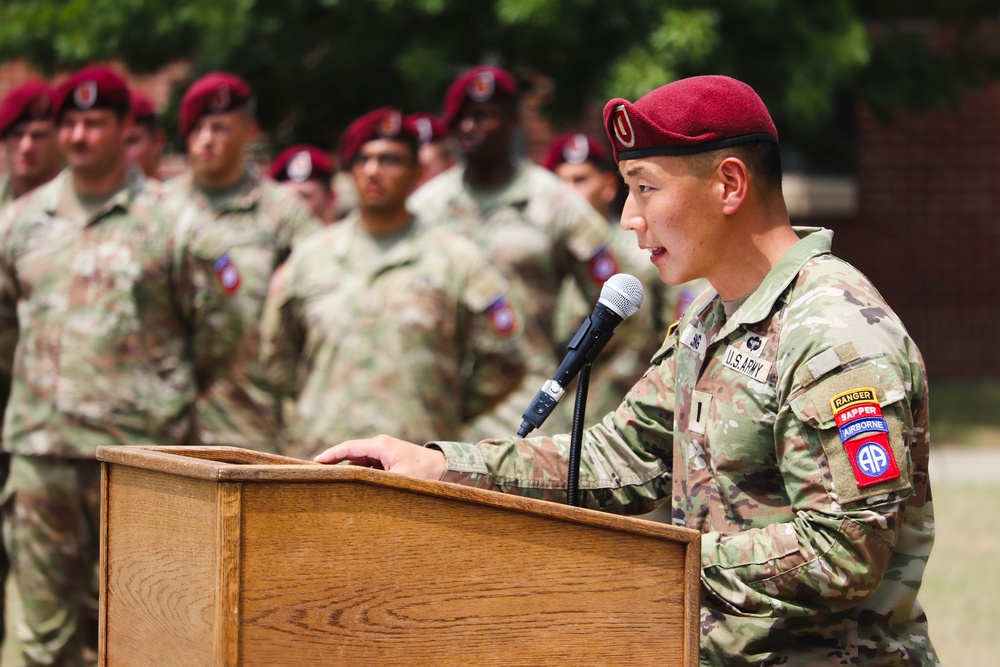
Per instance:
{"type": "Point", "coordinates": [576, 437]}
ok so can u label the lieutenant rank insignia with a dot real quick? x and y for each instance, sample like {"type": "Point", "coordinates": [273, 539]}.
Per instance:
{"type": "Point", "coordinates": [865, 435]}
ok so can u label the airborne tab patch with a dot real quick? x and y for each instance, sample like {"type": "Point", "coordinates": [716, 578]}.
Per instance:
{"type": "Point", "coordinates": [865, 435]}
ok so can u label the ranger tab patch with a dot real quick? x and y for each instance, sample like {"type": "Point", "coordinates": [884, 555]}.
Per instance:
{"type": "Point", "coordinates": [865, 435]}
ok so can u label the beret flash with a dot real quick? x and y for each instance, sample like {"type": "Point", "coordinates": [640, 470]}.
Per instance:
{"type": "Point", "coordinates": [577, 149]}
{"type": "Point", "coordinates": [302, 163]}
{"type": "Point", "coordinates": [92, 87]}
{"type": "Point", "coordinates": [479, 84]}
{"type": "Point", "coordinates": [384, 123]}
{"type": "Point", "coordinates": [214, 93]}
{"type": "Point", "coordinates": [142, 107]}
{"type": "Point", "coordinates": [429, 128]}
{"type": "Point", "coordinates": [688, 116]}
{"type": "Point", "coordinates": [31, 100]}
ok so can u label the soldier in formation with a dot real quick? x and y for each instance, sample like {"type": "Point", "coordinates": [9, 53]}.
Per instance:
{"type": "Point", "coordinates": [249, 225]}
{"type": "Point", "coordinates": [527, 223]}
{"type": "Point", "coordinates": [121, 326]}
{"type": "Point", "coordinates": [384, 322]}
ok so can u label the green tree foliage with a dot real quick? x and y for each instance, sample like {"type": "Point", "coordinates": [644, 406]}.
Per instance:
{"type": "Point", "coordinates": [316, 64]}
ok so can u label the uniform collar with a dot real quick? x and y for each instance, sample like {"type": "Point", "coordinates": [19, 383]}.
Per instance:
{"type": "Point", "coordinates": [246, 199]}
{"type": "Point", "coordinates": [404, 252]}
{"type": "Point", "coordinates": [6, 191]}
{"type": "Point", "coordinates": [61, 200]}
{"type": "Point", "coordinates": [516, 192]}
{"type": "Point", "coordinates": [813, 241]}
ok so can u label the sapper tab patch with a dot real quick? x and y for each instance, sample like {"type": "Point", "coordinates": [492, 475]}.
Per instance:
{"type": "Point", "coordinates": [865, 435]}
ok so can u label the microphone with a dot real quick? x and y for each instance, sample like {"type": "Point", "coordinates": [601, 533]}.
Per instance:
{"type": "Point", "coordinates": [620, 297]}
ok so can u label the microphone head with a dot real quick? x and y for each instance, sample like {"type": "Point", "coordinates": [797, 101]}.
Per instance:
{"type": "Point", "coordinates": [623, 294]}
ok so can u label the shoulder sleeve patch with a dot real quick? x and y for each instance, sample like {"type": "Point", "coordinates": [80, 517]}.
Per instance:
{"type": "Point", "coordinates": [865, 447]}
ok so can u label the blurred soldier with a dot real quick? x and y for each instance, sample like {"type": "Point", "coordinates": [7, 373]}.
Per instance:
{"type": "Point", "coordinates": [531, 226]}
{"type": "Point", "coordinates": [307, 171]}
{"type": "Point", "coordinates": [32, 156]}
{"type": "Point", "coordinates": [383, 323]}
{"type": "Point", "coordinates": [121, 325]}
{"type": "Point", "coordinates": [584, 164]}
{"type": "Point", "coordinates": [144, 144]}
{"type": "Point", "coordinates": [250, 224]}
{"type": "Point", "coordinates": [437, 148]}
{"type": "Point", "coordinates": [29, 139]}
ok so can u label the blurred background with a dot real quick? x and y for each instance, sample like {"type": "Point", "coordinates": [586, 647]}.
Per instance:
{"type": "Point", "coordinates": [888, 112]}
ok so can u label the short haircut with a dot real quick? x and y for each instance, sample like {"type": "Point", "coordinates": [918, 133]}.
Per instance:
{"type": "Point", "coordinates": [762, 158]}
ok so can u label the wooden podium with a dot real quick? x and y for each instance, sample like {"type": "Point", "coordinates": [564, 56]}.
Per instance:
{"type": "Point", "coordinates": [224, 556]}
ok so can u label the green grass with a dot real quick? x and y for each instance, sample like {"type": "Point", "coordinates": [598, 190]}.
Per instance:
{"type": "Point", "coordinates": [965, 413]}
{"type": "Point", "coordinates": [961, 590]}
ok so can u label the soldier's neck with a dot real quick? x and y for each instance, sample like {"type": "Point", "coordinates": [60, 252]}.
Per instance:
{"type": "Point", "coordinates": [488, 175]}
{"type": "Point", "coordinates": [378, 221]}
{"type": "Point", "coordinates": [95, 185]}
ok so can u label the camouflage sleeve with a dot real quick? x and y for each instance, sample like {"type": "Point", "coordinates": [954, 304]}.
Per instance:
{"type": "Point", "coordinates": [298, 222]}
{"type": "Point", "coordinates": [625, 463]}
{"type": "Point", "coordinates": [8, 311]}
{"type": "Point", "coordinates": [282, 333]}
{"type": "Point", "coordinates": [586, 239]}
{"type": "Point", "coordinates": [836, 550]}
{"type": "Point", "coordinates": [214, 324]}
{"type": "Point", "coordinates": [494, 356]}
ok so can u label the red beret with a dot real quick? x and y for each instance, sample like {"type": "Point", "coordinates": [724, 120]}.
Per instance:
{"type": "Point", "coordinates": [479, 84]}
{"type": "Point", "coordinates": [688, 116]}
{"type": "Point", "coordinates": [142, 107]}
{"type": "Point", "coordinates": [429, 128]}
{"type": "Point", "coordinates": [214, 93]}
{"type": "Point", "coordinates": [384, 123]}
{"type": "Point", "coordinates": [31, 100]}
{"type": "Point", "coordinates": [92, 87]}
{"type": "Point", "coordinates": [576, 149]}
{"type": "Point", "coordinates": [302, 163]}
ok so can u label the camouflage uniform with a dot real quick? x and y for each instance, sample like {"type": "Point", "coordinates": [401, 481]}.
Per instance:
{"type": "Point", "coordinates": [815, 538]}
{"type": "Point", "coordinates": [6, 192]}
{"type": "Point", "coordinates": [120, 326]}
{"type": "Point", "coordinates": [538, 232]}
{"type": "Point", "coordinates": [627, 356]}
{"type": "Point", "coordinates": [417, 339]}
{"type": "Point", "coordinates": [249, 236]}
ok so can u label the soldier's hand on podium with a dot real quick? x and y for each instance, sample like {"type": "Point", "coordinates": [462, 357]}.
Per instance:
{"type": "Point", "coordinates": [390, 454]}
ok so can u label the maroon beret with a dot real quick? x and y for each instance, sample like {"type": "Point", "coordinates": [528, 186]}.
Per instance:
{"type": "Point", "coordinates": [302, 163]}
{"type": "Point", "coordinates": [31, 100]}
{"type": "Point", "coordinates": [429, 128]}
{"type": "Point", "coordinates": [688, 116]}
{"type": "Point", "coordinates": [384, 123]}
{"type": "Point", "coordinates": [214, 93]}
{"type": "Point", "coordinates": [576, 149]}
{"type": "Point", "coordinates": [93, 87]}
{"type": "Point", "coordinates": [142, 106]}
{"type": "Point", "coordinates": [479, 84]}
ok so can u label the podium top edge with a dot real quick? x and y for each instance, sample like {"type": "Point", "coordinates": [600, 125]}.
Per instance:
{"type": "Point", "coordinates": [238, 465]}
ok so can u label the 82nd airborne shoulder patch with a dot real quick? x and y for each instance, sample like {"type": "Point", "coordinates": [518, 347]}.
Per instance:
{"type": "Point", "coordinates": [865, 435]}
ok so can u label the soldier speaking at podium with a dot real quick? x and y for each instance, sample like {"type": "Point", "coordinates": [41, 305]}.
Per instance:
{"type": "Point", "coordinates": [785, 416]}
